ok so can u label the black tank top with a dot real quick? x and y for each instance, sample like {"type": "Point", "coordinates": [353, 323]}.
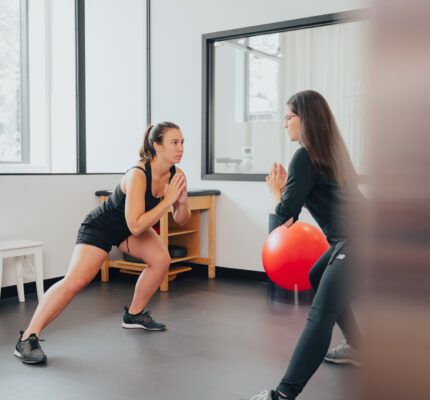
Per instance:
{"type": "Point", "coordinates": [110, 215]}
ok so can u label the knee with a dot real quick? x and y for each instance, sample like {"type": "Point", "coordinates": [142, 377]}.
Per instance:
{"type": "Point", "coordinates": [162, 261]}
{"type": "Point", "coordinates": [323, 314]}
{"type": "Point", "coordinates": [74, 286]}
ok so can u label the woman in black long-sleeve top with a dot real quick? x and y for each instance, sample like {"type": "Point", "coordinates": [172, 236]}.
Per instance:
{"type": "Point", "coordinates": [321, 178]}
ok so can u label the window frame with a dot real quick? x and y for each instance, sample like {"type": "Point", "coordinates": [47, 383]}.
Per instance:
{"type": "Point", "coordinates": [25, 99]}
{"type": "Point", "coordinates": [81, 156]}
{"type": "Point", "coordinates": [208, 74]}
{"type": "Point", "coordinates": [24, 85]}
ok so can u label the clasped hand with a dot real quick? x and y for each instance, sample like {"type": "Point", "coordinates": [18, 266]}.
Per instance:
{"type": "Point", "coordinates": [277, 178]}
{"type": "Point", "coordinates": [176, 190]}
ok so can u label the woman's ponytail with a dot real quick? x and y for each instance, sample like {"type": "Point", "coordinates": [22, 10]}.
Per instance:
{"type": "Point", "coordinates": [147, 151]}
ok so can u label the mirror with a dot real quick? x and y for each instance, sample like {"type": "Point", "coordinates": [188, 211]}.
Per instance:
{"type": "Point", "coordinates": [249, 75]}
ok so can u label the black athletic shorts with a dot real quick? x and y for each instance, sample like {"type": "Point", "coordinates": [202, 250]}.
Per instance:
{"type": "Point", "coordinates": [101, 237]}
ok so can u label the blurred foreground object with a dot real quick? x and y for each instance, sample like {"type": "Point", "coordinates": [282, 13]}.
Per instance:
{"type": "Point", "coordinates": [397, 232]}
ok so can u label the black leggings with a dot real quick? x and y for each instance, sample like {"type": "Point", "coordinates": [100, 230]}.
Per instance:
{"type": "Point", "coordinates": [331, 279]}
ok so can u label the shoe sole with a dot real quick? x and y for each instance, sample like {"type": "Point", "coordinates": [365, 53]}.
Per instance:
{"type": "Point", "coordinates": [137, 326]}
{"type": "Point", "coordinates": [343, 361]}
{"type": "Point", "coordinates": [18, 354]}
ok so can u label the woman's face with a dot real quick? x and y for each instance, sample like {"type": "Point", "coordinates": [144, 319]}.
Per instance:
{"type": "Point", "coordinates": [292, 124]}
{"type": "Point", "coordinates": [172, 148]}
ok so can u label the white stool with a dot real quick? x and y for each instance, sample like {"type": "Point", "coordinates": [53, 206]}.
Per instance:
{"type": "Point", "coordinates": [27, 253]}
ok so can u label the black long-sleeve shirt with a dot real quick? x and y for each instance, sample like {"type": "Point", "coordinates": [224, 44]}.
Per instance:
{"type": "Point", "coordinates": [333, 207]}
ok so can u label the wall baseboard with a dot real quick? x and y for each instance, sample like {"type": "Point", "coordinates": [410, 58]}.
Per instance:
{"type": "Point", "coordinates": [30, 287]}
{"type": "Point", "coordinates": [230, 273]}
{"type": "Point", "coordinates": [198, 270]}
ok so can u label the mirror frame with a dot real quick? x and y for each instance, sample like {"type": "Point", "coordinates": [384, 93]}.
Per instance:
{"type": "Point", "coordinates": [208, 112]}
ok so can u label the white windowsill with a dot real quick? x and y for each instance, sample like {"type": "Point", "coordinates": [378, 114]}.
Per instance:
{"type": "Point", "coordinates": [23, 169]}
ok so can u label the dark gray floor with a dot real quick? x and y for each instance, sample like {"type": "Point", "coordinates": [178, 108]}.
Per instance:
{"type": "Point", "coordinates": [225, 340]}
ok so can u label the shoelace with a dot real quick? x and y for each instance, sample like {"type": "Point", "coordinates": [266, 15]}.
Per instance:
{"type": "Point", "coordinates": [147, 314]}
{"type": "Point", "coordinates": [343, 346]}
{"type": "Point", "coordinates": [34, 342]}
{"type": "Point", "coordinates": [264, 395]}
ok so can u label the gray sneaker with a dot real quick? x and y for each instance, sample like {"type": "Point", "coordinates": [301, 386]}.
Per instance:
{"type": "Point", "coordinates": [29, 350]}
{"type": "Point", "coordinates": [142, 320]}
{"type": "Point", "coordinates": [268, 395]}
{"type": "Point", "coordinates": [264, 395]}
{"type": "Point", "coordinates": [344, 354]}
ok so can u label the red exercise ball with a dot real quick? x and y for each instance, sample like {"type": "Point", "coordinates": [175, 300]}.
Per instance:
{"type": "Point", "coordinates": [289, 254]}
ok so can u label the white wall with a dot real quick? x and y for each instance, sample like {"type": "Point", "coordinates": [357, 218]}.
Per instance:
{"type": "Point", "coordinates": [177, 28]}
{"type": "Point", "coordinates": [115, 62]}
{"type": "Point", "coordinates": [47, 208]}
{"type": "Point", "coordinates": [50, 208]}
{"type": "Point", "coordinates": [62, 98]}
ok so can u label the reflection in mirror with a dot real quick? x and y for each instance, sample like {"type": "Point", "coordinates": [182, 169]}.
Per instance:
{"type": "Point", "coordinates": [255, 76]}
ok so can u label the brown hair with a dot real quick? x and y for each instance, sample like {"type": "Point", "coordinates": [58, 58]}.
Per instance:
{"type": "Point", "coordinates": [321, 138]}
{"type": "Point", "coordinates": [154, 134]}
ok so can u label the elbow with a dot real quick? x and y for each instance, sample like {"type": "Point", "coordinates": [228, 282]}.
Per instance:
{"type": "Point", "coordinates": [134, 229]}
{"type": "Point", "coordinates": [135, 232]}
{"type": "Point", "coordinates": [181, 222]}
{"type": "Point", "coordinates": [284, 214]}
{"type": "Point", "coordinates": [184, 220]}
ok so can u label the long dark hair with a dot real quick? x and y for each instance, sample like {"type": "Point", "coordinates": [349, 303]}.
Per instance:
{"type": "Point", "coordinates": [321, 138]}
{"type": "Point", "coordinates": [154, 134]}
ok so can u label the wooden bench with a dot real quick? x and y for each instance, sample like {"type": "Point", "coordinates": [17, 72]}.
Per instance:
{"type": "Point", "coordinates": [187, 236]}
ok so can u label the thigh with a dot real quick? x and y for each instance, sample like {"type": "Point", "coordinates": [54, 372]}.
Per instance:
{"type": "Point", "coordinates": [335, 288]}
{"type": "Point", "coordinates": [318, 268]}
{"type": "Point", "coordinates": [86, 262]}
{"type": "Point", "coordinates": [147, 246]}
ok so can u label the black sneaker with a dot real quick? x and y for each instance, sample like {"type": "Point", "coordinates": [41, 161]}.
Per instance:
{"type": "Point", "coordinates": [29, 350]}
{"type": "Point", "coordinates": [142, 320]}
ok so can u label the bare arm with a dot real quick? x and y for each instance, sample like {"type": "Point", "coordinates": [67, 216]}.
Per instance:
{"type": "Point", "coordinates": [138, 220]}
{"type": "Point", "coordinates": [181, 210]}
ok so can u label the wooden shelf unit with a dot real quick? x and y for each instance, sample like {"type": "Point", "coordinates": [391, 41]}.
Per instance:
{"type": "Point", "coordinates": [187, 236]}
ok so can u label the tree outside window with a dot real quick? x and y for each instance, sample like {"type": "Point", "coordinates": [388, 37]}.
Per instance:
{"type": "Point", "coordinates": [12, 109]}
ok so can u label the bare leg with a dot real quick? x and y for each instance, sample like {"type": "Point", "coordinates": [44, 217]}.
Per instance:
{"type": "Point", "coordinates": [148, 247]}
{"type": "Point", "coordinates": [84, 265]}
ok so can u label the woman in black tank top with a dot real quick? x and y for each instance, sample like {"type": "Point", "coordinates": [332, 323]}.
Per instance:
{"type": "Point", "coordinates": [126, 219]}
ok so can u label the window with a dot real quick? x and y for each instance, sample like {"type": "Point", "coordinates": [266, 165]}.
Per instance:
{"type": "Point", "coordinates": [38, 86]}
{"type": "Point", "coordinates": [13, 82]}
{"type": "Point", "coordinates": [73, 85]}
{"type": "Point", "coordinates": [262, 75]}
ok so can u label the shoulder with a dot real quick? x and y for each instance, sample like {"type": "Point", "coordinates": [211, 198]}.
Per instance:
{"type": "Point", "coordinates": [134, 177]}
{"type": "Point", "coordinates": [301, 165]}
{"type": "Point", "coordinates": [301, 153]}
{"type": "Point", "coordinates": [300, 158]}
{"type": "Point", "coordinates": [137, 172]}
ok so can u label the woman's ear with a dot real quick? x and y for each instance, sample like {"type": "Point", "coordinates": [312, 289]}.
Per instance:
{"type": "Point", "coordinates": [158, 148]}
